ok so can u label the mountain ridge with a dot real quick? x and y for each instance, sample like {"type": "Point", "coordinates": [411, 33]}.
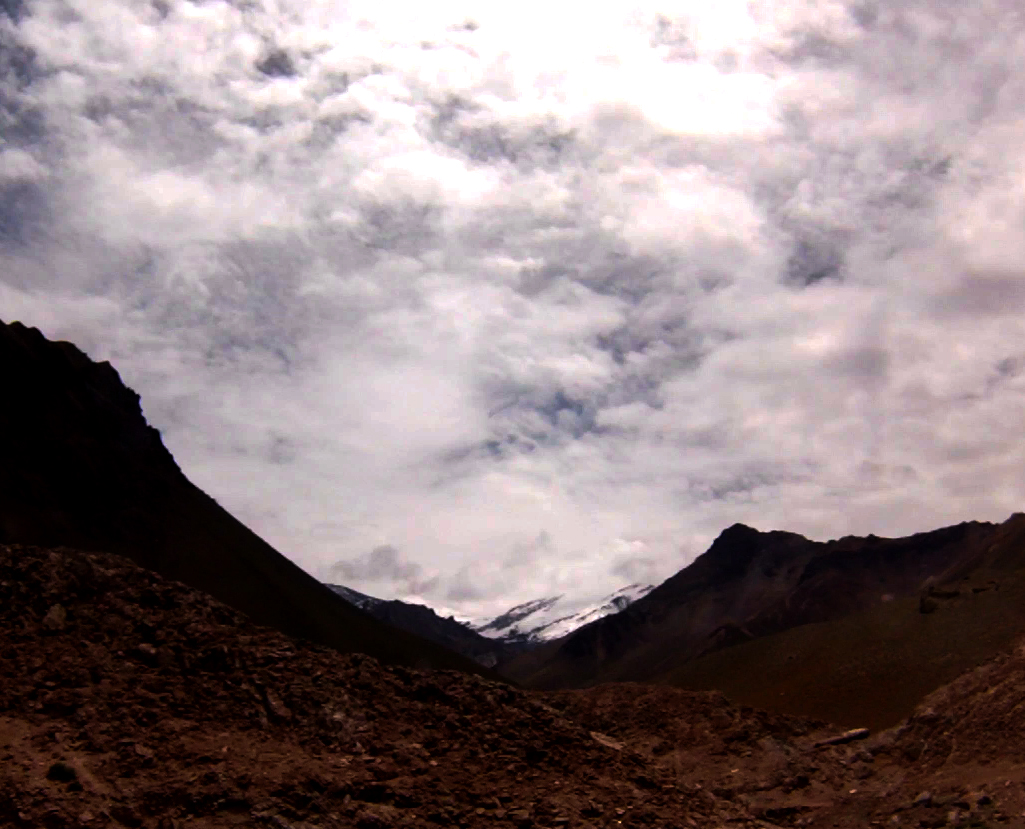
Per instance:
{"type": "Point", "coordinates": [545, 619]}
{"type": "Point", "coordinates": [81, 467]}
{"type": "Point", "coordinates": [428, 623]}
{"type": "Point", "coordinates": [498, 638]}
{"type": "Point", "coordinates": [751, 584]}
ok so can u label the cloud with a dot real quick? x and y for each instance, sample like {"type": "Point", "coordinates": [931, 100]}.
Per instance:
{"type": "Point", "coordinates": [385, 565]}
{"type": "Point", "coordinates": [506, 295]}
{"type": "Point", "coordinates": [464, 588]}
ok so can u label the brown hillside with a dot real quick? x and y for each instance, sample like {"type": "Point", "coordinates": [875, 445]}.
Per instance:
{"type": "Point", "coordinates": [80, 466]}
{"type": "Point", "coordinates": [130, 700]}
{"type": "Point", "coordinates": [750, 586]}
{"type": "Point", "coordinates": [127, 700]}
{"type": "Point", "coordinates": [870, 668]}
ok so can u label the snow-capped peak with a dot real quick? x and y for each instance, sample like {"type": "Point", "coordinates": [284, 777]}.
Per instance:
{"type": "Point", "coordinates": [542, 620]}
{"type": "Point", "coordinates": [361, 600]}
{"type": "Point", "coordinates": [500, 626]}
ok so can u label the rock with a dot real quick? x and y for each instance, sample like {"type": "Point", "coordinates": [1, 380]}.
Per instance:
{"type": "Point", "coordinates": [56, 618]}
{"type": "Point", "coordinates": [165, 658]}
{"type": "Point", "coordinates": [125, 814]}
{"type": "Point", "coordinates": [927, 716]}
{"type": "Point", "coordinates": [61, 772]}
{"type": "Point", "coordinates": [145, 753]}
{"type": "Point", "coordinates": [521, 817]}
{"type": "Point", "coordinates": [369, 819]}
{"type": "Point", "coordinates": [146, 653]}
{"type": "Point", "coordinates": [923, 799]}
{"type": "Point", "coordinates": [275, 706]}
{"type": "Point", "coordinates": [606, 740]}
{"type": "Point", "coordinates": [847, 737]}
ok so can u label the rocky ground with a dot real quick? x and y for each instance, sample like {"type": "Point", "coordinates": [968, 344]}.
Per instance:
{"type": "Point", "coordinates": [130, 700]}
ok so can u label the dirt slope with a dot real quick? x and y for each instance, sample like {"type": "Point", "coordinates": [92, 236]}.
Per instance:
{"type": "Point", "coordinates": [130, 700]}
{"type": "Point", "coordinates": [126, 699]}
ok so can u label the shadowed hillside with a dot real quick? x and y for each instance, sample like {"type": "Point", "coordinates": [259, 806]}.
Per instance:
{"type": "Point", "coordinates": [425, 622]}
{"type": "Point", "coordinates": [834, 630]}
{"type": "Point", "coordinates": [871, 668]}
{"type": "Point", "coordinates": [79, 466]}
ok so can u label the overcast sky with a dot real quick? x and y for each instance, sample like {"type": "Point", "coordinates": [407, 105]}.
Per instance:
{"type": "Point", "coordinates": [476, 302]}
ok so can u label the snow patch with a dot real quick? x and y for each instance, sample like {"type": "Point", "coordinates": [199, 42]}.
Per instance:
{"type": "Point", "coordinates": [552, 617]}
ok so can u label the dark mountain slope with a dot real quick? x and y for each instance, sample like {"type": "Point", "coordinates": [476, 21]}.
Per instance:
{"type": "Point", "coordinates": [867, 669]}
{"type": "Point", "coordinates": [79, 466]}
{"type": "Point", "coordinates": [425, 622]}
{"type": "Point", "coordinates": [748, 585]}
{"type": "Point", "coordinates": [871, 668]}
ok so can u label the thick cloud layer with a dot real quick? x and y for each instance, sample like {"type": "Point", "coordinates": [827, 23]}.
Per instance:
{"type": "Point", "coordinates": [479, 303]}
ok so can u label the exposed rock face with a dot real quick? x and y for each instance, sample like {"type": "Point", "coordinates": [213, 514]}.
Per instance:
{"type": "Point", "coordinates": [79, 466]}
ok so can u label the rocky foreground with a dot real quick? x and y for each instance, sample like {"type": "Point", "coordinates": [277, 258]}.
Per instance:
{"type": "Point", "coordinates": [131, 700]}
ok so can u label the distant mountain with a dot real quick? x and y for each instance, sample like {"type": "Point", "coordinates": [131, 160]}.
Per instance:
{"type": "Point", "coordinates": [760, 593]}
{"type": "Point", "coordinates": [424, 621]}
{"type": "Point", "coordinates": [869, 668]}
{"type": "Point", "coordinates": [80, 467]}
{"type": "Point", "coordinates": [546, 619]}
{"type": "Point", "coordinates": [361, 600]}
{"type": "Point", "coordinates": [494, 640]}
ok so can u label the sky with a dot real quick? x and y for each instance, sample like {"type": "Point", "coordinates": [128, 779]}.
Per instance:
{"type": "Point", "coordinates": [471, 303]}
